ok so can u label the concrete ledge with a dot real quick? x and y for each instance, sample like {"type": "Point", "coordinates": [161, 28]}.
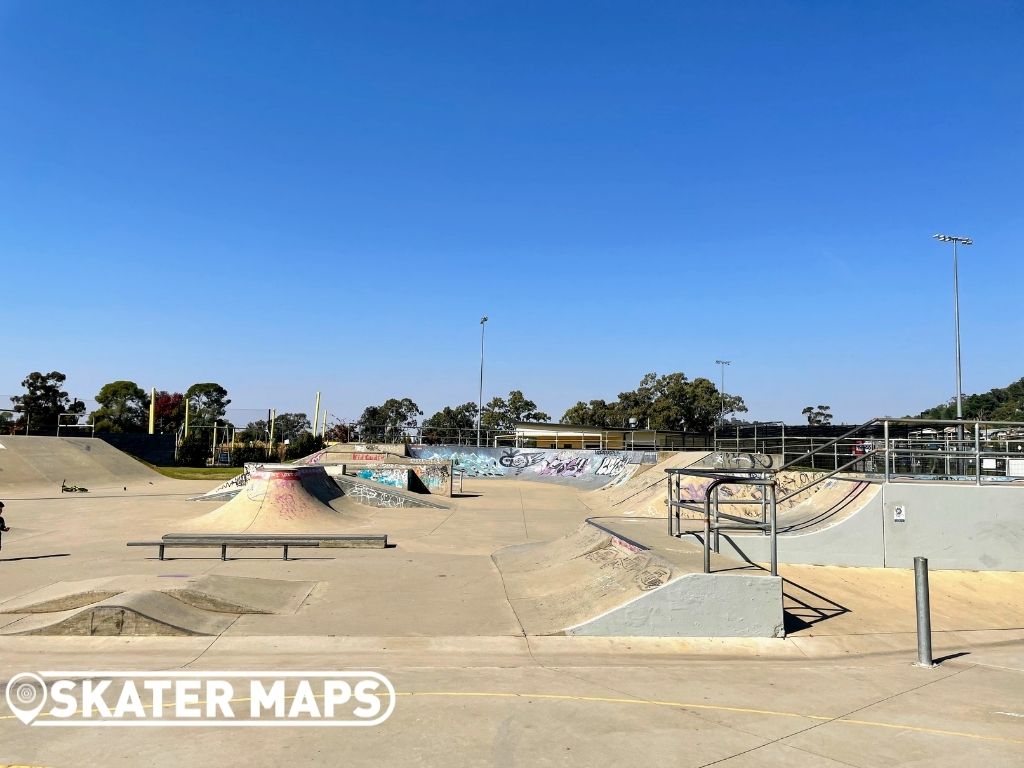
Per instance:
{"type": "Point", "coordinates": [697, 605]}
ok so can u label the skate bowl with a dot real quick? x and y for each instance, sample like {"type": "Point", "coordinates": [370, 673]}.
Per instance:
{"type": "Point", "coordinates": [29, 461]}
{"type": "Point", "coordinates": [597, 583]}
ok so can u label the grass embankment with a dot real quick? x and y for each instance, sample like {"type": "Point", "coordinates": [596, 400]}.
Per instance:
{"type": "Point", "coordinates": [198, 473]}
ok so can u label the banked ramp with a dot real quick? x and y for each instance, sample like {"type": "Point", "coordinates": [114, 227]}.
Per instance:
{"type": "Point", "coordinates": [596, 582]}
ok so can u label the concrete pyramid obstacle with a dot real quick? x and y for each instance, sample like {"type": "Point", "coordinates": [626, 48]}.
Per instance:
{"type": "Point", "coordinates": [277, 498]}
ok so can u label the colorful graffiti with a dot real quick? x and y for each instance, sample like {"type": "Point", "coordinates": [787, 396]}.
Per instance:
{"type": "Point", "coordinates": [393, 477]}
{"type": "Point", "coordinates": [586, 468]}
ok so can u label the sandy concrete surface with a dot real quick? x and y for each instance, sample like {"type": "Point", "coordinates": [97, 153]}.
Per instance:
{"type": "Point", "coordinates": [433, 615]}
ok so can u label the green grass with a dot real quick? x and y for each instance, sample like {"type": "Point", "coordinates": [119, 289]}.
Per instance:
{"type": "Point", "coordinates": [198, 473]}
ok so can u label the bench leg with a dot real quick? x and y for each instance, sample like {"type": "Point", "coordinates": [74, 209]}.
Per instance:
{"type": "Point", "coordinates": [161, 551]}
{"type": "Point", "coordinates": [285, 557]}
{"type": "Point", "coordinates": [223, 551]}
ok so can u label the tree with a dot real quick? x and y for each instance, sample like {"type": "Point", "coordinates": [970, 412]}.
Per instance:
{"type": "Point", "coordinates": [44, 400]}
{"type": "Point", "coordinates": [387, 422]}
{"type": "Point", "coordinates": [124, 407]}
{"type": "Point", "coordinates": [169, 412]}
{"type": "Point", "coordinates": [596, 413]}
{"type": "Point", "coordinates": [338, 433]}
{"type": "Point", "coordinates": [451, 425]}
{"type": "Point", "coordinates": [998, 404]}
{"type": "Point", "coordinates": [669, 402]}
{"type": "Point", "coordinates": [503, 415]}
{"type": "Point", "coordinates": [818, 416]}
{"type": "Point", "coordinates": [208, 403]}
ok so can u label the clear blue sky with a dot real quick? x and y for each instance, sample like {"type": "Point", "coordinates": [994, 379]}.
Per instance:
{"type": "Point", "coordinates": [286, 197]}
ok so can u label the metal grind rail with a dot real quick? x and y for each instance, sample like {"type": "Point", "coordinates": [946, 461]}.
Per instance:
{"type": "Point", "coordinates": [714, 517]}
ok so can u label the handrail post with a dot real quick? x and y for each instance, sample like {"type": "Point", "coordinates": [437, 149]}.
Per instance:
{"type": "Point", "coordinates": [671, 506]}
{"type": "Point", "coordinates": [977, 453]}
{"type": "Point", "coordinates": [716, 534]}
{"type": "Point", "coordinates": [886, 438]}
{"type": "Point", "coordinates": [707, 532]}
{"type": "Point", "coordinates": [774, 533]}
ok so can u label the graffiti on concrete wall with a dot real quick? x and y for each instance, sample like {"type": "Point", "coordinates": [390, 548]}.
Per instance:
{"type": "Point", "coordinates": [394, 477]}
{"type": "Point", "coordinates": [567, 464]}
{"type": "Point", "coordinates": [375, 497]}
{"type": "Point", "coordinates": [587, 468]}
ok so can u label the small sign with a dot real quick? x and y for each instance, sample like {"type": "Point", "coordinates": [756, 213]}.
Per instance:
{"type": "Point", "coordinates": [223, 458]}
{"type": "Point", "coordinates": [899, 514]}
{"type": "Point", "coordinates": [988, 463]}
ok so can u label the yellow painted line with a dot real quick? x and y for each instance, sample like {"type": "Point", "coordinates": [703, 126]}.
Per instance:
{"type": "Point", "coordinates": [650, 702]}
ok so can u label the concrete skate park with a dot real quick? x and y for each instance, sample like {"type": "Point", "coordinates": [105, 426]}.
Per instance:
{"type": "Point", "coordinates": [535, 606]}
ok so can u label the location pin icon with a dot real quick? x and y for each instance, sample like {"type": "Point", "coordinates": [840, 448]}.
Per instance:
{"type": "Point", "coordinates": [26, 696]}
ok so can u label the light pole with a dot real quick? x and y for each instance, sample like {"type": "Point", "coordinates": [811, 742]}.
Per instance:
{"type": "Point", "coordinates": [480, 402]}
{"type": "Point", "coordinates": [955, 239]}
{"type": "Point", "coordinates": [723, 363]}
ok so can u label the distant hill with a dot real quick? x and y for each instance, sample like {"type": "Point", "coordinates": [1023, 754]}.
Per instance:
{"type": "Point", "coordinates": [1000, 404]}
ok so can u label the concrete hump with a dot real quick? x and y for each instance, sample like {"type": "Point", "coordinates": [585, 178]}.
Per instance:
{"type": "Point", "coordinates": [68, 595]}
{"type": "Point", "coordinates": [84, 461]}
{"type": "Point", "coordinates": [240, 594]}
{"type": "Point", "coordinates": [141, 612]}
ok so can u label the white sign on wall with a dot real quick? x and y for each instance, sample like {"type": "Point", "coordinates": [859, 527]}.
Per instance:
{"type": "Point", "coordinates": [1015, 467]}
{"type": "Point", "coordinates": [899, 514]}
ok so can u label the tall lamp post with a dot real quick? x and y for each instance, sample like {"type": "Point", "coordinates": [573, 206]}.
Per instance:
{"type": "Point", "coordinates": [723, 363]}
{"type": "Point", "coordinates": [480, 402]}
{"type": "Point", "coordinates": [955, 240]}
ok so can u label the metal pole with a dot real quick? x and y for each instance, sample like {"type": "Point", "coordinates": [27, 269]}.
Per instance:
{"type": "Point", "coordinates": [774, 531]}
{"type": "Point", "coordinates": [977, 453]}
{"type": "Point", "coordinates": [152, 410]}
{"type": "Point", "coordinates": [885, 427]}
{"type": "Point", "coordinates": [723, 363]}
{"type": "Point", "coordinates": [316, 413]}
{"type": "Point", "coordinates": [270, 441]}
{"type": "Point", "coordinates": [671, 506]}
{"type": "Point", "coordinates": [707, 532]}
{"type": "Point", "coordinates": [717, 534]}
{"type": "Point", "coordinates": [480, 399]}
{"type": "Point", "coordinates": [924, 616]}
{"type": "Point", "coordinates": [956, 317]}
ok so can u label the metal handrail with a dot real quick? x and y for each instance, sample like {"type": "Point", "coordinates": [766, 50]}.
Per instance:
{"type": "Point", "coordinates": [771, 526]}
{"type": "Point", "coordinates": [830, 443]}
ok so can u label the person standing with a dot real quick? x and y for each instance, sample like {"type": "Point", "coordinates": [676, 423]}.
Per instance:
{"type": "Point", "coordinates": [3, 525]}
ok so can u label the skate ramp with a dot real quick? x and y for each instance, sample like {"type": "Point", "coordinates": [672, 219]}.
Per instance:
{"type": "Point", "coordinates": [140, 612]}
{"type": "Point", "coordinates": [584, 469]}
{"type": "Point", "coordinates": [149, 605]}
{"type": "Point", "coordinates": [27, 461]}
{"type": "Point", "coordinates": [329, 484]}
{"type": "Point", "coordinates": [593, 582]}
{"type": "Point", "coordinates": [637, 488]}
{"type": "Point", "coordinates": [277, 498]}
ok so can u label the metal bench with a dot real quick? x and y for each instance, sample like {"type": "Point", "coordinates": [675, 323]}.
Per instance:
{"type": "Point", "coordinates": [225, 542]}
{"type": "Point", "coordinates": [356, 541]}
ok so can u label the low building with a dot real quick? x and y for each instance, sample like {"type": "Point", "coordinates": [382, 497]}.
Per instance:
{"type": "Point", "coordinates": [535, 434]}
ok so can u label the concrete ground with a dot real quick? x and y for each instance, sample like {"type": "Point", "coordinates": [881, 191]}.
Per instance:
{"type": "Point", "coordinates": [431, 614]}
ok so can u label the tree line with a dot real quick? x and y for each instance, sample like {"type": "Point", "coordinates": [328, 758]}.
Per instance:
{"type": "Point", "coordinates": [668, 402]}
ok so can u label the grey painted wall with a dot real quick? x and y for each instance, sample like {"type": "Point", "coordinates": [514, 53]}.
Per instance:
{"type": "Point", "coordinates": [957, 527]}
{"type": "Point", "coordinates": [697, 605]}
{"type": "Point", "coordinates": [963, 527]}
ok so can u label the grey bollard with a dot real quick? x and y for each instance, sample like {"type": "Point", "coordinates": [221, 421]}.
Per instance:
{"type": "Point", "coordinates": [924, 614]}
